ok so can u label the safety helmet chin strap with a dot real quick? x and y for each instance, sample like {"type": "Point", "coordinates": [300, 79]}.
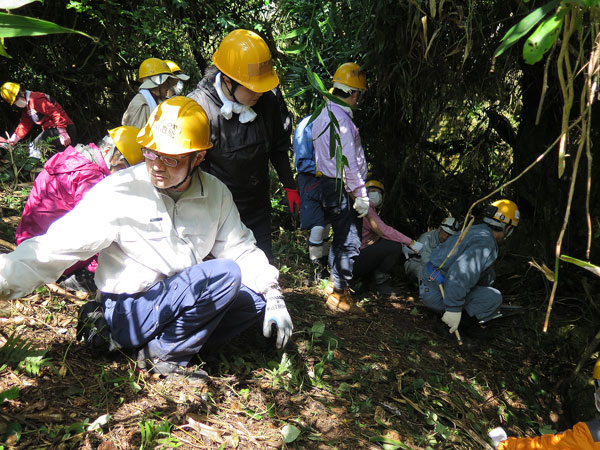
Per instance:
{"type": "Point", "coordinates": [189, 174]}
{"type": "Point", "coordinates": [234, 86]}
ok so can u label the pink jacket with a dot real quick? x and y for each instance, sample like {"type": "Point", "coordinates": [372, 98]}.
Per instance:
{"type": "Point", "coordinates": [66, 177]}
{"type": "Point", "coordinates": [369, 235]}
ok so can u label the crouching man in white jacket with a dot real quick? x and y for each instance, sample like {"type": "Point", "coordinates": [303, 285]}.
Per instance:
{"type": "Point", "coordinates": [153, 225]}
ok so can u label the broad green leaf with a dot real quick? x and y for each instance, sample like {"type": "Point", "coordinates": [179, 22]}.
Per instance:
{"type": "Point", "coordinates": [14, 4]}
{"type": "Point", "coordinates": [542, 39]}
{"type": "Point", "coordinates": [294, 33]}
{"type": "Point", "coordinates": [524, 26]}
{"type": "Point", "coordinates": [12, 25]}
{"type": "Point", "coordinates": [290, 433]}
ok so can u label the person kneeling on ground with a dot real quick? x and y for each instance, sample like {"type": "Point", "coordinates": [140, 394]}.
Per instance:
{"type": "Point", "coordinates": [459, 276]}
{"type": "Point", "coordinates": [584, 435]}
{"type": "Point", "coordinates": [431, 239]}
{"type": "Point", "coordinates": [153, 226]}
{"type": "Point", "coordinates": [382, 244]}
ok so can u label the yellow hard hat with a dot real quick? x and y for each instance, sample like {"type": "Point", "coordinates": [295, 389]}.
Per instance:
{"type": "Point", "coordinates": [177, 126]}
{"type": "Point", "coordinates": [375, 184]}
{"type": "Point", "coordinates": [597, 370]}
{"type": "Point", "coordinates": [10, 91]}
{"type": "Point", "coordinates": [502, 212]}
{"type": "Point", "coordinates": [152, 66]}
{"type": "Point", "coordinates": [244, 57]}
{"type": "Point", "coordinates": [176, 70]}
{"type": "Point", "coordinates": [125, 139]}
{"type": "Point", "coordinates": [349, 74]}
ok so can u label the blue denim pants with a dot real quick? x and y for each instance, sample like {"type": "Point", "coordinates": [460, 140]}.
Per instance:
{"type": "Point", "coordinates": [175, 318]}
{"type": "Point", "coordinates": [347, 230]}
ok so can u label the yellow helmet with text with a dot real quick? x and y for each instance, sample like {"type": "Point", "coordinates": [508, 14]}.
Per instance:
{"type": "Point", "coordinates": [502, 213]}
{"type": "Point", "coordinates": [245, 58]}
{"type": "Point", "coordinates": [125, 140]}
{"type": "Point", "coordinates": [10, 91]}
{"type": "Point", "coordinates": [177, 126]}
{"type": "Point", "coordinates": [349, 74]}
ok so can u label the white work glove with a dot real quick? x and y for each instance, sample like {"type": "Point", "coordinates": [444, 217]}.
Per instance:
{"type": "Point", "coordinates": [414, 247]}
{"type": "Point", "coordinates": [64, 137]}
{"type": "Point", "coordinates": [276, 313]}
{"type": "Point", "coordinates": [452, 319]}
{"type": "Point", "coordinates": [497, 435]}
{"type": "Point", "coordinates": [13, 139]}
{"type": "Point", "coordinates": [361, 205]}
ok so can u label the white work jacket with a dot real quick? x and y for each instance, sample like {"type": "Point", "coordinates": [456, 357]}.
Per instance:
{"type": "Point", "coordinates": [142, 236]}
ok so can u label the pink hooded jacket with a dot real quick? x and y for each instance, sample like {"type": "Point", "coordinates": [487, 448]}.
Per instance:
{"type": "Point", "coordinates": [66, 177]}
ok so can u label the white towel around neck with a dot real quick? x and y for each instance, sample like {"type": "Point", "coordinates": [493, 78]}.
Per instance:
{"type": "Point", "coordinates": [246, 113]}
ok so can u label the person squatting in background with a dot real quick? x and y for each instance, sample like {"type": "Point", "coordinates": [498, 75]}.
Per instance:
{"type": "Point", "coordinates": [39, 109]}
{"type": "Point", "coordinates": [312, 216]}
{"type": "Point", "coordinates": [460, 278]}
{"type": "Point", "coordinates": [65, 179]}
{"type": "Point", "coordinates": [431, 239]}
{"type": "Point", "coordinates": [247, 130]}
{"type": "Point", "coordinates": [382, 245]}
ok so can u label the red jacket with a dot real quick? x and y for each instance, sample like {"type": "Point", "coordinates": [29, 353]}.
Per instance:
{"type": "Point", "coordinates": [583, 436]}
{"type": "Point", "coordinates": [66, 177]}
{"type": "Point", "coordinates": [42, 110]}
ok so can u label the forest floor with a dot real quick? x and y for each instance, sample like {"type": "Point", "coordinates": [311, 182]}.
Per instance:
{"type": "Point", "coordinates": [391, 379]}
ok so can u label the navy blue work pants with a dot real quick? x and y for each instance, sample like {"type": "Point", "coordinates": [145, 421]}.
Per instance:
{"type": "Point", "coordinates": [347, 230]}
{"type": "Point", "coordinates": [175, 318]}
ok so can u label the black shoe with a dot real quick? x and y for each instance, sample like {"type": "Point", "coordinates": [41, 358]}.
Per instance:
{"type": "Point", "coordinates": [169, 369]}
{"type": "Point", "coordinates": [93, 329]}
{"type": "Point", "coordinates": [386, 290]}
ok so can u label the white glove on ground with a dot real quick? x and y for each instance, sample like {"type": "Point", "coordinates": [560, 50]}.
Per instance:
{"type": "Point", "coordinates": [64, 137]}
{"type": "Point", "coordinates": [497, 435]}
{"type": "Point", "coordinates": [361, 205]}
{"type": "Point", "coordinates": [452, 319]}
{"type": "Point", "coordinates": [276, 313]}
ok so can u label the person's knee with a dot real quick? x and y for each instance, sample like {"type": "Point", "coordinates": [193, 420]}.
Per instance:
{"type": "Point", "coordinates": [229, 269]}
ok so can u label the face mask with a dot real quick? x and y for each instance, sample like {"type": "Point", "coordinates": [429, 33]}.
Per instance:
{"type": "Point", "coordinates": [178, 89]}
{"type": "Point", "coordinates": [20, 103]}
{"type": "Point", "coordinates": [375, 198]}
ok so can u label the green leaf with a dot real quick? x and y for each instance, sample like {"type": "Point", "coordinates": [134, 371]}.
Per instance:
{"type": "Point", "coordinates": [524, 26]}
{"type": "Point", "coordinates": [584, 264]}
{"type": "Point", "coordinates": [294, 33]}
{"type": "Point", "coordinates": [9, 394]}
{"type": "Point", "coordinates": [14, 4]}
{"type": "Point", "coordinates": [294, 49]}
{"type": "Point", "coordinates": [542, 39]}
{"type": "Point", "coordinates": [290, 433]}
{"type": "Point", "coordinates": [12, 25]}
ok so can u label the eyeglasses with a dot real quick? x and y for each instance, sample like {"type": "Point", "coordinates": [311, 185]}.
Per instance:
{"type": "Point", "coordinates": [168, 161]}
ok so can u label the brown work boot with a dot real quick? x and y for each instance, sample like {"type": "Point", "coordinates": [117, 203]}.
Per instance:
{"type": "Point", "coordinates": [328, 289]}
{"type": "Point", "coordinates": [343, 302]}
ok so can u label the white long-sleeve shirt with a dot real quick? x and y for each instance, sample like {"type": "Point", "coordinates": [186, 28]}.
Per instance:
{"type": "Point", "coordinates": [142, 236]}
